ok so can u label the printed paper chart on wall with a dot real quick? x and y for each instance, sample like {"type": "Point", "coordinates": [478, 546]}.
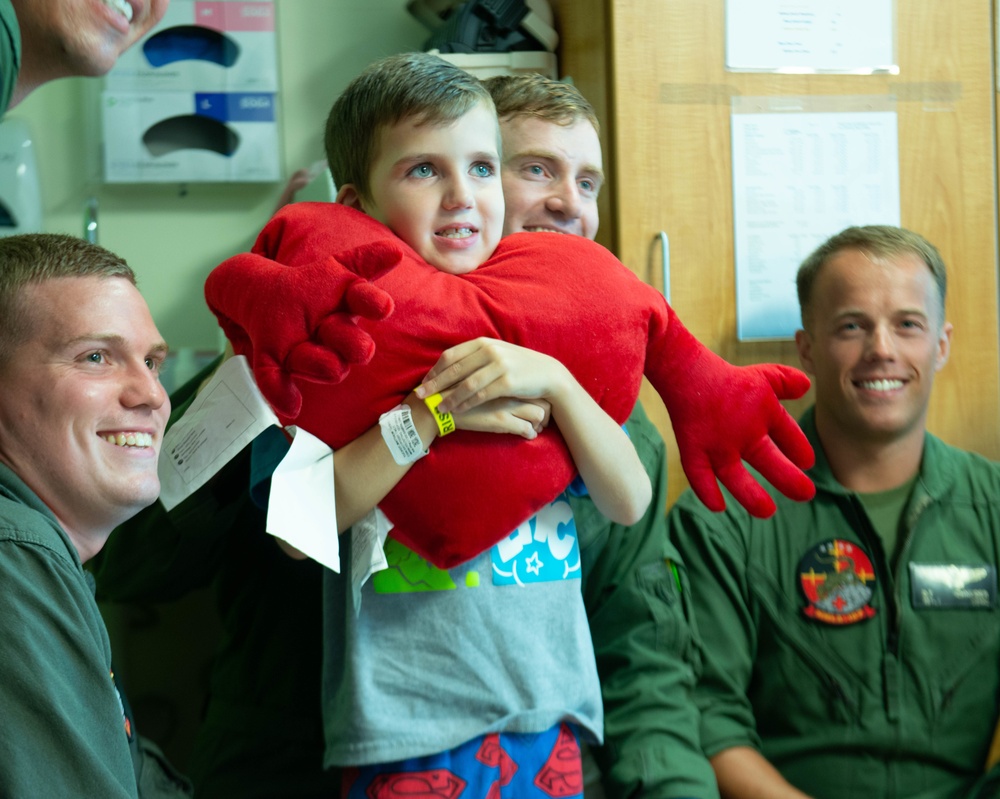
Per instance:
{"type": "Point", "coordinates": [801, 173]}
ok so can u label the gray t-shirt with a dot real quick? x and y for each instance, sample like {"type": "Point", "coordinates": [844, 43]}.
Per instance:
{"type": "Point", "coordinates": [432, 658]}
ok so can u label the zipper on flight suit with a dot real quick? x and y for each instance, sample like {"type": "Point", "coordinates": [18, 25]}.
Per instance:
{"type": "Point", "coordinates": [884, 575]}
{"type": "Point", "coordinates": [910, 516]}
{"type": "Point", "coordinates": [840, 694]}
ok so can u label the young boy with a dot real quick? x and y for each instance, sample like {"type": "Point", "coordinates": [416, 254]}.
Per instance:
{"type": "Point", "coordinates": [482, 675]}
{"type": "Point", "coordinates": [431, 173]}
{"type": "Point", "coordinates": [413, 143]}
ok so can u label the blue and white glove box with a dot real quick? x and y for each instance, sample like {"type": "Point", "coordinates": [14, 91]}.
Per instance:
{"type": "Point", "coordinates": [181, 137]}
{"type": "Point", "coordinates": [203, 45]}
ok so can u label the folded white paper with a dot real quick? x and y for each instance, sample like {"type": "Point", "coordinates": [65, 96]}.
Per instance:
{"type": "Point", "coordinates": [367, 550]}
{"type": "Point", "coordinates": [227, 414]}
{"type": "Point", "coordinates": [301, 508]}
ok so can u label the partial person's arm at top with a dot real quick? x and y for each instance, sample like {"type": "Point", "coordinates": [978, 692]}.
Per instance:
{"type": "Point", "coordinates": [638, 602]}
{"type": "Point", "coordinates": [483, 369]}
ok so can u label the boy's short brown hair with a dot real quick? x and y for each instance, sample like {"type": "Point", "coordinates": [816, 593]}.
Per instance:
{"type": "Point", "coordinates": [390, 90]}
{"type": "Point", "coordinates": [535, 95]}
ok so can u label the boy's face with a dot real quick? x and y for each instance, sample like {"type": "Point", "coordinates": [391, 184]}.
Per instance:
{"type": "Point", "coordinates": [437, 186]}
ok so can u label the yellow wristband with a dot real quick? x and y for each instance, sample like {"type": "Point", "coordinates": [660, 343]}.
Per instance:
{"type": "Point", "coordinates": [445, 421]}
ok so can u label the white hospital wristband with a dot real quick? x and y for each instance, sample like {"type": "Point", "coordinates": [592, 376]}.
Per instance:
{"type": "Point", "coordinates": [401, 436]}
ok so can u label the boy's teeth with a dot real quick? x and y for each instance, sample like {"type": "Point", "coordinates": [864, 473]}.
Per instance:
{"type": "Point", "coordinates": [121, 6]}
{"type": "Point", "coordinates": [881, 385]}
{"type": "Point", "coordinates": [130, 439]}
{"type": "Point", "coordinates": [457, 233]}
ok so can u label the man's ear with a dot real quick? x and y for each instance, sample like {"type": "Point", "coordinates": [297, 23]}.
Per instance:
{"type": "Point", "coordinates": [348, 195]}
{"type": "Point", "coordinates": [803, 343]}
{"type": "Point", "coordinates": [944, 346]}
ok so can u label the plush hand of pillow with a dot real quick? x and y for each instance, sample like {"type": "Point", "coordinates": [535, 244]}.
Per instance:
{"type": "Point", "coordinates": [562, 295]}
{"type": "Point", "coordinates": [311, 334]}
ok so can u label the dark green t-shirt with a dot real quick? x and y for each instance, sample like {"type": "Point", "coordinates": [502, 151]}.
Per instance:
{"type": "Point", "coordinates": [885, 511]}
{"type": "Point", "coordinates": [63, 731]}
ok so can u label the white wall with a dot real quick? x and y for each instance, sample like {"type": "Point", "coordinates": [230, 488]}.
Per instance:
{"type": "Point", "coordinates": [171, 235]}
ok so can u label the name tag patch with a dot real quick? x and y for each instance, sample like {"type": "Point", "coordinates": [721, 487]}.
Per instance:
{"type": "Point", "coordinates": [952, 585]}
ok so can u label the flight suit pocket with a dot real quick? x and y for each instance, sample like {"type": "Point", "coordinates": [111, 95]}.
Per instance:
{"type": "Point", "coordinates": [961, 684]}
{"type": "Point", "coordinates": [801, 681]}
{"type": "Point", "coordinates": [667, 597]}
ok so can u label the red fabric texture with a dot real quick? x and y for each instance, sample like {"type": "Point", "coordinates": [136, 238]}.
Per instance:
{"type": "Point", "coordinates": [341, 320]}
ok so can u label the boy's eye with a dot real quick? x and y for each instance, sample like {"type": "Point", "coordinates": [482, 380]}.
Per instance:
{"type": "Point", "coordinates": [587, 185]}
{"type": "Point", "coordinates": [483, 170]}
{"type": "Point", "coordinates": [422, 171]}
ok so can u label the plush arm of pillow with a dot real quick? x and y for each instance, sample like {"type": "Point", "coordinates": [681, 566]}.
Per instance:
{"type": "Point", "coordinates": [298, 322]}
{"type": "Point", "coordinates": [723, 415]}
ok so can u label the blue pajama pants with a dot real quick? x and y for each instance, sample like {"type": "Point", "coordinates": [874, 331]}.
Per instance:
{"type": "Point", "coordinates": [495, 766]}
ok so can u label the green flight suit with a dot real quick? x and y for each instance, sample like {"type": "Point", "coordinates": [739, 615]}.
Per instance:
{"type": "Point", "coordinates": [65, 730]}
{"type": "Point", "coordinates": [852, 678]}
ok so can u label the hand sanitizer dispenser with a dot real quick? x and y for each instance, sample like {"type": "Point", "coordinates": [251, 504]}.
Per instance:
{"type": "Point", "coordinates": [20, 198]}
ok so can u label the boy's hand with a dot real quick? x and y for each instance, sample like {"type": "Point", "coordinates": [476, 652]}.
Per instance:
{"type": "Point", "coordinates": [484, 369]}
{"type": "Point", "coordinates": [525, 418]}
{"type": "Point", "coordinates": [476, 373]}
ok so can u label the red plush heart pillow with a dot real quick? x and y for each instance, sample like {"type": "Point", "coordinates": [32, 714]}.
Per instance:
{"type": "Point", "coordinates": [341, 320]}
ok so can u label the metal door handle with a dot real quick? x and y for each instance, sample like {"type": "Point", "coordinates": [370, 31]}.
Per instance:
{"type": "Point", "coordinates": [665, 263]}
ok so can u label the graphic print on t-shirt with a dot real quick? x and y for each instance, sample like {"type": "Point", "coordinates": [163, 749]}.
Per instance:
{"type": "Point", "coordinates": [543, 549]}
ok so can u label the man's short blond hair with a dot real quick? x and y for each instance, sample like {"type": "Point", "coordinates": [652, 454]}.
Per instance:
{"type": "Point", "coordinates": [37, 257]}
{"type": "Point", "coordinates": [876, 241]}
{"type": "Point", "coordinates": [530, 94]}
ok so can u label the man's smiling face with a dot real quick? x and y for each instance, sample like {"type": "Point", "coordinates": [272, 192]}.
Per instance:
{"type": "Point", "coordinates": [84, 421]}
{"type": "Point", "coordinates": [552, 175]}
{"type": "Point", "coordinates": [874, 339]}
{"type": "Point", "coordinates": [83, 37]}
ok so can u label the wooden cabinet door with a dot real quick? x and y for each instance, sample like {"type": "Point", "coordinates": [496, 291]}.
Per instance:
{"type": "Point", "coordinates": [656, 71]}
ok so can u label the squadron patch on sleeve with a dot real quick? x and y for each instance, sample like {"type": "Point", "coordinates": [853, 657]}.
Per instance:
{"type": "Point", "coordinates": [838, 580]}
